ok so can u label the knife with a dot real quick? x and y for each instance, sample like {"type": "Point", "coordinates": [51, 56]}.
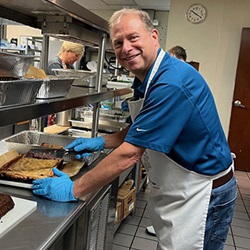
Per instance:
{"type": "Point", "coordinates": [55, 153]}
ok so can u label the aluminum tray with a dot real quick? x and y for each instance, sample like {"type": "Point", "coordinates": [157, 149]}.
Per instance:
{"type": "Point", "coordinates": [55, 87]}
{"type": "Point", "coordinates": [104, 125]}
{"type": "Point", "coordinates": [14, 65]}
{"type": "Point", "coordinates": [115, 115]}
{"type": "Point", "coordinates": [90, 81]}
{"type": "Point", "coordinates": [19, 92]}
{"type": "Point", "coordinates": [26, 140]}
{"type": "Point", "coordinates": [73, 72]}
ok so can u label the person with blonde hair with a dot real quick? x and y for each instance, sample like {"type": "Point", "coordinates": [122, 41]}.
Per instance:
{"type": "Point", "coordinates": [69, 53]}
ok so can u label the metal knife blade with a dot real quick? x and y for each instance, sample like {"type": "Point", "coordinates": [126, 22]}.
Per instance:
{"type": "Point", "coordinates": [58, 153]}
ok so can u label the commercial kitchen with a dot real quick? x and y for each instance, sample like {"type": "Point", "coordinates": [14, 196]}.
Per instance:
{"type": "Point", "coordinates": [98, 220]}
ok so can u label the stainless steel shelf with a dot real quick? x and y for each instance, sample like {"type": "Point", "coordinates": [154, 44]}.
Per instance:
{"type": "Point", "coordinates": [64, 19]}
{"type": "Point", "coordinates": [27, 14]}
{"type": "Point", "coordinates": [78, 96]}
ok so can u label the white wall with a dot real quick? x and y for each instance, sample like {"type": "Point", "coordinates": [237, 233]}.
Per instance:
{"type": "Point", "coordinates": [19, 31]}
{"type": "Point", "coordinates": [22, 31]}
{"type": "Point", "coordinates": [214, 43]}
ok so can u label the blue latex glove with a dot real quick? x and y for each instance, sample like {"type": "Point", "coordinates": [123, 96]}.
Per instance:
{"type": "Point", "coordinates": [125, 105]}
{"type": "Point", "coordinates": [92, 144]}
{"type": "Point", "coordinates": [59, 188]}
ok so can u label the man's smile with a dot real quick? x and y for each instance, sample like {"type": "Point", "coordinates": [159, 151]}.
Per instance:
{"type": "Point", "coordinates": [131, 57]}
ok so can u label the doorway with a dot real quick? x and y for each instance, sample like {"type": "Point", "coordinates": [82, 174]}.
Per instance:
{"type": "Point", "coordinates": [239, 128]}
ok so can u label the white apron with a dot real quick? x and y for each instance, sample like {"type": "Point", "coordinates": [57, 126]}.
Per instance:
{"type": "Point", "coordinates": [179, 198]}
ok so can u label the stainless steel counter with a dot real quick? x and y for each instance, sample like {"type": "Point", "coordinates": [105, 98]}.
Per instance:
{"type": "Point", "coordinates": [53, 225]}
{"type": "Point", "coordinates": [42, 228]}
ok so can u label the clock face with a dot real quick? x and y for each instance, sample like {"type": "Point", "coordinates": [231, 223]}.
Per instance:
{"type": "Point", "coordinates": [196, 13]}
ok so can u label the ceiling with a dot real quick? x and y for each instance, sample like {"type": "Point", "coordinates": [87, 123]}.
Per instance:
{"type": "Point", "coordinates": [92, 5]}
{"type": "Point", "coordinates": [112, 5]}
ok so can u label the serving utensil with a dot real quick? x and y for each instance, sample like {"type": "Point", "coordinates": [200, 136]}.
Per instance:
{"type": "Point", "coordinates": [58, 153]}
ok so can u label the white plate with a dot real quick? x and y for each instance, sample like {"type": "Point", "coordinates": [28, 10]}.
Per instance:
{"type": "Point", "coordinates": [21, 210]}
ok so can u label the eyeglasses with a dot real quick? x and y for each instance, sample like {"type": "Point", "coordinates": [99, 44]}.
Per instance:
{"type": "Point", "coordinates": [77, 55]}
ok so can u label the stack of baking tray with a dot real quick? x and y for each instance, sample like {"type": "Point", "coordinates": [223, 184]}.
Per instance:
{"type": "Point", "coordinates": [90, 81]}
{"type": "Point", "coordinates": [83, 78]}
{"type": "Point", "coordinates": [14, 90]}
{"type": "Point", "coordinates": [103, 126]}
{"type": "Point", "coordinates": [14, 65]}
{"type": "Point", "coordinates": [73, 73]}
{"type": "Point", "coordinates": [114, 114]}
{"type": "Point", "coordinates": [19, 92]}
{"type": "Point", "coordinates": [54, 87]}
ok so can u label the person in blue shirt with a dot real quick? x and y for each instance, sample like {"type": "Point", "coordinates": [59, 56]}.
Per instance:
{"type": "Point", "coordinates": [176, 133]}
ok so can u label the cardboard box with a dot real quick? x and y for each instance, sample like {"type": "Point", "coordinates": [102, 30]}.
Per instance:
{"type": "Point", "coordinates": [119, 212]}
{"type": "Point", "coordinates": [129, 203]}
{"type": "Point", "coordinates": [127, 197]}
{"type": "Point", "coordinates": [127, 185]}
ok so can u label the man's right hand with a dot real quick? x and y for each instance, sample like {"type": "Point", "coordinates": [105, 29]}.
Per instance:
{"type": "Point", "coordinates": [91, 144]}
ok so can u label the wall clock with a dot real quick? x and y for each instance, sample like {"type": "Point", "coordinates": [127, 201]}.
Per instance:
{"type": "Point", "coordinates": [196, 13]}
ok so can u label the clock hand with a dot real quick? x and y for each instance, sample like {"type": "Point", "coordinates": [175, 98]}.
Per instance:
{"type": "Point", "coordinates": [196, 14]}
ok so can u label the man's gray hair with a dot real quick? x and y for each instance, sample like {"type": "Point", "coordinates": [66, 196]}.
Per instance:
{"type": "Point", "coordinates": [144, 16]}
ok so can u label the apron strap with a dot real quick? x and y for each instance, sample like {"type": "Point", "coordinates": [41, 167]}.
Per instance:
{"type": "Point", "coordinates": [155, 69]}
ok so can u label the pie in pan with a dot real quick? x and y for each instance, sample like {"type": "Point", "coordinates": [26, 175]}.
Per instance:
{"type": "Point", "coordinates": [20, 167]}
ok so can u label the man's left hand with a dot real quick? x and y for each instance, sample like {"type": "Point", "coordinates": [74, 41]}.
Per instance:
{"type": "Point", "coordinates": [59, 188]}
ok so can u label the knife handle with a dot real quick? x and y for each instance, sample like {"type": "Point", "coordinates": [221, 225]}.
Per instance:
{"type": "Point", "coordinates": [71, 150]}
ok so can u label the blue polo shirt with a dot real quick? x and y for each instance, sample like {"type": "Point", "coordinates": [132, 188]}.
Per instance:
{"type": "Point", "coordinates": [179, 118]}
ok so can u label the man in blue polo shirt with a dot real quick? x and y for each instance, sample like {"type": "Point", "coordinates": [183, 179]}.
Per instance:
{"type": "Point", "coordinates": [177, 134]}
